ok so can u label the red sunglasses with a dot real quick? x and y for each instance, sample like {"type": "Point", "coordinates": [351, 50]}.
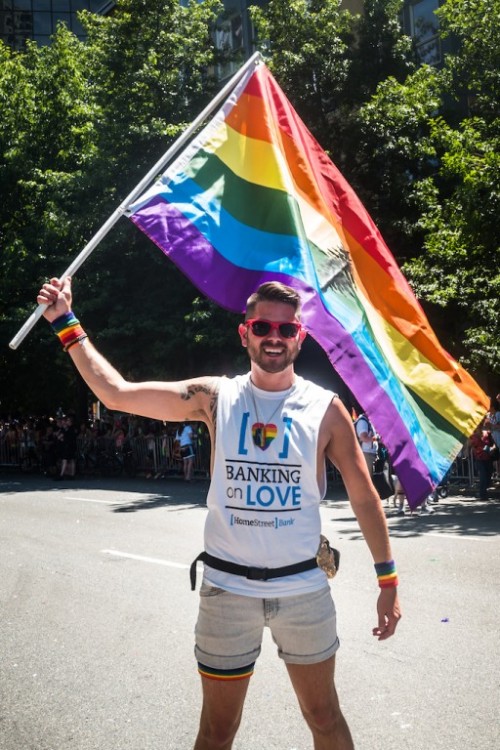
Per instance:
{"type": "Point", "coordinates": [262, 328]}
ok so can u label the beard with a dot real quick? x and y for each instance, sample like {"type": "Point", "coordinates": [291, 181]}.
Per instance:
{"type": "Point", "coordinates": [272, 364]}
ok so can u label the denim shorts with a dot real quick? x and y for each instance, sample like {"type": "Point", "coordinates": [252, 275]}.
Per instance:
{"type": "Point", "coordinates": [230, 628]}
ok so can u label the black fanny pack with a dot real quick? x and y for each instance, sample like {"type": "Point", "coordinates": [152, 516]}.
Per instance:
{"type": "Point", "coordinates": [253, 574]}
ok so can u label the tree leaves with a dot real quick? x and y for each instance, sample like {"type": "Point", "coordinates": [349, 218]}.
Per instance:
{"type": "Point", "coordinates": [81, 123]}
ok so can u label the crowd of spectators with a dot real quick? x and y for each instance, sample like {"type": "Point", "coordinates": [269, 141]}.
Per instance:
{"type": "Point", "coordinates": [131, 445]}
{"type": "Point", "coordinates": [114, 443]}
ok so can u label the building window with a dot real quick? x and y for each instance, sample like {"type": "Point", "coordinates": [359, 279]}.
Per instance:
{"type": "Point", "coordinates": [424, 30]}
{"type": "Point", "coordinates": [229, 40]}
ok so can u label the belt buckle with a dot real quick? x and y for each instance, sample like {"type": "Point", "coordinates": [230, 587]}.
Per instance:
{"type": "Point", "coordinates": [257, 574]}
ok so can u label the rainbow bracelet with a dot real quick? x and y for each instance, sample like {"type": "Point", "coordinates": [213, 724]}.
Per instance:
{"type": "Point", "coordinates": [387, 574]}
{"type": "Point", "coordinates": [68, 330]}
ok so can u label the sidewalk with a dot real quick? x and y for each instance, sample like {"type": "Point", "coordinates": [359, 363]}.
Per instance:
{"type": "Point", "coordinates": [336, 491]}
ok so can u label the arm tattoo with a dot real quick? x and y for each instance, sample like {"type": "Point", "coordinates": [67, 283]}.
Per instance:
{"type": "Point", "coordinates": [210, 389]}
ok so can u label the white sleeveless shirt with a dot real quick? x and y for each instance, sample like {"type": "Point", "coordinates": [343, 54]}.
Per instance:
{"type": "Point", "coordinates": [264, 498]}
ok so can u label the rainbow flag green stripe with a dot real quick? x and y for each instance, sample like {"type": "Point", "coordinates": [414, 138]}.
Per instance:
{"type": "Point", "coordinates": [253, 198]}
{"type": "Point", "coordinates": [257, 206]}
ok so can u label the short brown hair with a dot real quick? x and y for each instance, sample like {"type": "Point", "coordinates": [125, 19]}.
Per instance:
{"type": "Point", "coordinates": [273, 291]}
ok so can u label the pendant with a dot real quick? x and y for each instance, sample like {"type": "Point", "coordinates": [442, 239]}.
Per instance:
{"type": "Point", "coordinates": [263, 434]}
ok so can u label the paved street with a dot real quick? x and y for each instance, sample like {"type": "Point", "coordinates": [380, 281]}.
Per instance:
{"type": "Point", "coordinates": [97, 618]}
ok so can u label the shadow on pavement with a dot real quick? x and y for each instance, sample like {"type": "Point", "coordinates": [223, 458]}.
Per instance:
{"type": "Point", "coordinates": [450, 516]}
{"type": "Point", "coordinates": [151, 493]}
{"type": "Point", "coordinates": [461, 515]}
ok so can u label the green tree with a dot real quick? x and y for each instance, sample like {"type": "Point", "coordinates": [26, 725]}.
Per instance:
{"type": "Point", "coordinates": [379, 51]}
{"type": "Point", "coordinates": [391, 151]}
{"type": "Point", "coordinates": [46, 145]}
{"type": "Point", "coordinates": [81, 124]}
{"type": "Point", "coordinates": [458, 268]}
{"type": "Point", "coordinates": [307, 47]}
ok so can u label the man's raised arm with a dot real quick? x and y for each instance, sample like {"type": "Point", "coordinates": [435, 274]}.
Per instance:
{"type": "Point", "coordinates": [192, 399]}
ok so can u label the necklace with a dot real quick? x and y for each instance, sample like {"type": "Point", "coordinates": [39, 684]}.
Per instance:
{"type": "Point", "coordinates": [264, 432]}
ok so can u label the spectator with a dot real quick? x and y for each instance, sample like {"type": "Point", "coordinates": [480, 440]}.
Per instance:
{"type": "Point", "coordinates": [367, 440]}
{"type": "Point", "coordinates": [68, 448]}
{"type": "Point", "coordinates": [185, 436]}
{"type": "Point", "coordinates": [49, 451]}
{"type": "Point", "coordinates": [493, 424]}
{"type": "Point", "coordinates": [483, 450]}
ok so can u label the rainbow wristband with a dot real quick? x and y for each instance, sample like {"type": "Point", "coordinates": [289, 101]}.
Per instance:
{"type": "Point", "coordinates": [387, 574]}
{"type": "Point", "coordinates": [68, 330]}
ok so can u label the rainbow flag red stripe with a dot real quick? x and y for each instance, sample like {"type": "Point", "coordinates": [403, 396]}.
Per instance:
{"type": "Point", "coordinates": [255, 198]}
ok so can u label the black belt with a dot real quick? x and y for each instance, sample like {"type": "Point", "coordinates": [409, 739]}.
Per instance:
{"type": "Point", "coordinates": [253, 574]}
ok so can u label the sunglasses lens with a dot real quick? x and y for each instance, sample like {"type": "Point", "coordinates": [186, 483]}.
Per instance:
{"type": "Point", "coordinates": [288, 330]}
{"type": "Point", "coordinates": [261, 327]}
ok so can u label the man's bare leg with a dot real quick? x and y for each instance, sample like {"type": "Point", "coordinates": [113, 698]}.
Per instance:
{"type": "Point", "coordinates": [221, 713]}
{"type": "Point", "coordinates": [315, 689]}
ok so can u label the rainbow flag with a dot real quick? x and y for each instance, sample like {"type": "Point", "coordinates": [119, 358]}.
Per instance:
{"type": "Point", "coordinates": [254, 198]}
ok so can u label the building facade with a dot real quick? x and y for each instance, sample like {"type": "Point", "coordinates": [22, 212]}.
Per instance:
{"type": "Point", "coordinates": [234, 34]}
{"type": "Point", "coordinates": [37, 19]}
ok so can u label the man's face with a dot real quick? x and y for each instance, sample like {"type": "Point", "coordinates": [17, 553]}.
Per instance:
{"type": "Point", "coordinates": [272, 352]}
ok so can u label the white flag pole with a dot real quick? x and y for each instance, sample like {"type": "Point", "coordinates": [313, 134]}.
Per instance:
{"type": "Point", "coordinates": [143, 184]}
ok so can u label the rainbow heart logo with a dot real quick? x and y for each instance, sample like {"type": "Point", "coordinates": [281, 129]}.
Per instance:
{"type": "Point", "coordinates": [263, 434]}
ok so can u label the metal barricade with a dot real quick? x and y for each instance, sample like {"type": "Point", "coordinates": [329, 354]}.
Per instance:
{"type": "Point", "coordinates": [19, 452]}
{"type": "Point", "coordinates": [157, 456]}
{"type": "Point", "coordinates": [167, 460]}
{"type": "Point", "coordinates": [10, 453]}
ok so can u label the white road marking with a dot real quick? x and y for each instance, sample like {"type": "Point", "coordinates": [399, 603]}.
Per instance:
{"type": "Point", "coordinates": [130, 503]}
{"type": "Point", "coordinates": [90, 500]}
{"type": "Point", "coordinates": [141, 558]}
{"type": "Point", "coordinates": [461, 537]}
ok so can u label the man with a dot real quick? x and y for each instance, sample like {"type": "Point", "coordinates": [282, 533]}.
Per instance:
{"type": "Point", "coordinates": [271, 432]}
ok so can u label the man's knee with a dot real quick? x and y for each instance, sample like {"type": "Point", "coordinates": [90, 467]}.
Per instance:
{"type": "Point", "coordinates": [324, 718]}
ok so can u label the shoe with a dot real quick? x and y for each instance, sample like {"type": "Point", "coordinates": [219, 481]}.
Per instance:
{"type": "Point", "coordinates": [426, 511]}
{"type": "Point", "coordinates": [400, 512]}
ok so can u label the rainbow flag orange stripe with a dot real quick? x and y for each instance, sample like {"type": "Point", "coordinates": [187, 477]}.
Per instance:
{"type": "Point", "coordinates": [254, 198]}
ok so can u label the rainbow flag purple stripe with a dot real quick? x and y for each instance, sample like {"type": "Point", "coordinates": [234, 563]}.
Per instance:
{"type": "Point", "coordinates": [254, 198]}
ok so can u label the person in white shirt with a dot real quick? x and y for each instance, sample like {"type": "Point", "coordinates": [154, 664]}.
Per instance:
{"type": "Point", "coordinates": [367, 439]}
{"type": "Point", "coordinates": [271, 432]}
{"type": "Point", "coordinates": [185, 436]}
